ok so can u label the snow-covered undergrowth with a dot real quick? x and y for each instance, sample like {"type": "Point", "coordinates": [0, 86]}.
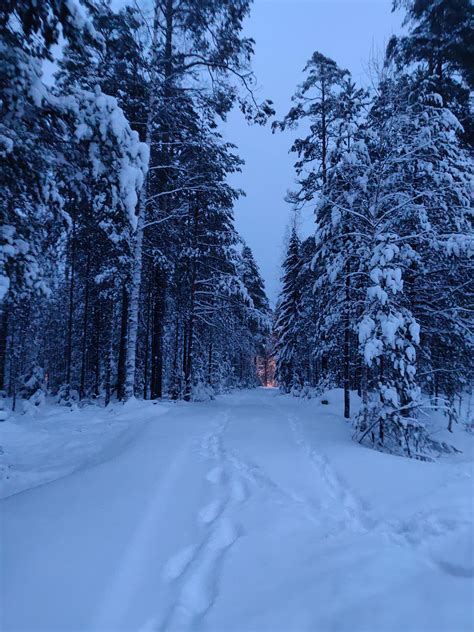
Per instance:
{"type": "Point", "coordinates": [252, 512]}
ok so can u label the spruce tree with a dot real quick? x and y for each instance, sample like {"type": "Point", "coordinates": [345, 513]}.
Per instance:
{"type": "Point", "coordinates": [288, 373]}
{"type": "Point", "coordinates": [439, 42]}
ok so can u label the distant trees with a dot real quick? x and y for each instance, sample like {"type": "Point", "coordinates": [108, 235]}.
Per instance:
{"type": "Point", "coordinates": [391, 269]}
{"type": "Point", "coordinates": [121, 271]}
{"type": "Point", "coordinates": [287, 320]}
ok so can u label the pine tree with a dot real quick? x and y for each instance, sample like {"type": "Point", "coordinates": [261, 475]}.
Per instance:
{"type": "Point", "coordinates": [317, 102]}
{"type": "Point", "coordinates": [31, 146]}
{"type": "Point", "coordinates": [309, 312]}
{"type": "Point", "coordinates": [30, 128]}
{"type": "Point", "coordinates": [288, 373]}
{"type": "Point", "coordinates": [439, 41]}
{"type": "Point", "coordinates": [340, 228]}
{"type": "Point", "coordinates": [391, 261]}
{"type": "Point", "coordinates": [259, 309]}
{"type": "Point", "coordinates": [422, 201]}
{"type": "Point", "coordinates": [214, 30]}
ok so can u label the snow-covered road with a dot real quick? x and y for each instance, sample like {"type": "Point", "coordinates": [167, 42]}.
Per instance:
{"type": "Point", "coordinates": [253, 512]}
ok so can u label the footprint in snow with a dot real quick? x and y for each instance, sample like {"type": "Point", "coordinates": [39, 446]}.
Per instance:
{"type": "Point", "coordinates": [224, 535]}
{"type": "Point", "coordinates": [238, 491]}
{"type": "Point", "coordinates": [456, 570]}
{"type": "Point", "coordinates": [210, 512]}
{"type": "Point", "coordinates": [200, 588]}
{"type": "Point", "coordinates": [216, 475]}
{"type": "Point", "coordinates": [177, 565]}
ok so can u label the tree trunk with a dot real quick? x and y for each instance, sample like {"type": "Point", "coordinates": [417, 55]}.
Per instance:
{"type": "Point", "coordinates": [363, 385]}
{"type": "Point", "coordinates": [85, 322]}
{"type": "Point", "coordinates": [109, 355]}
{"type": "Point", "coordinates": [13, 365]}
{"type": "Point", "coordinates": [136, 276]}
{"type": "Point", "coordinates": [71, 308]}
{"type": "Point", "coordinates": [175, 381]}
{"type": "Point", "coordinates": [122, 346]}
{"type": "Point", "coordinates": [347, 354]}
{"type": "Point", "coordinates": [135, 285]}
{"type": "Point", "coordinates": [188, 348]}
{"type": "Point", "coordinates": [209, 365]}
{"type": "Point", "coordinates": [157, 336]}
{"type": "Point", "coordinates": [185, 350]}
{"type": "Point", "coordinates": [323, 133]}
{"type": "Point", "coordinates": [96, 343]}
{"type": "Point", "coordinates": [189, 362]}
{"type": "Point", "coordinates": [147, 342]}
{"type": "Point", "coordinates": [3, 342]}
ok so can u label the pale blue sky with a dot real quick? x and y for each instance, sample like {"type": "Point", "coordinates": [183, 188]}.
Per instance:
{"type": "Point", "coordinates": [287, 32]}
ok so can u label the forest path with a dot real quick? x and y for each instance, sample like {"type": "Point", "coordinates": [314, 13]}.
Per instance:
{"type": "Point", "coordinates": [248, 513]}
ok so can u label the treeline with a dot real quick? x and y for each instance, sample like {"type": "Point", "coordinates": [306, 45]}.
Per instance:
{"type": "Point", "coordinates": [121, 272]}
{"type": "Point", "coordinates": [381, 299]}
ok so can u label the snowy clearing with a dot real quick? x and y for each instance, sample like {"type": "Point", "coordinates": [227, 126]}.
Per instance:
{"type": "Point", "coordinates": [252, 512]}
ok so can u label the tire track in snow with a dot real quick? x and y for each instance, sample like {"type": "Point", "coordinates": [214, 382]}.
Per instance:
{"type": "Point", "coordinates": [195, 571]}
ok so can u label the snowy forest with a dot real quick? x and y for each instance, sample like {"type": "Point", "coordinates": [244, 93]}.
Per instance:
{"type": "Point", "coordinates": [182, 450]}
{"type": "Point", "coordinates": [380, 299]}
{"type": "Point", "coordinates": [122, 272]}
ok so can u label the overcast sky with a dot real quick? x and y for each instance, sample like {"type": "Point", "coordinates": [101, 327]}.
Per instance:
{"type": "Point", "coordinates": [287, 32]}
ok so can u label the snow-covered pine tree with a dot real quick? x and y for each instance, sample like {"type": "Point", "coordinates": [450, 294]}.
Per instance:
{"type": "Point", "coordinates": [93, 166]}
{"type": "Point", "coordinates": [29, 135]}
{"type": "Point", "coordinates": [317, 104]}
{"type": "Point", "coordinates": [439, 43]}
{"type": "Point", "coordinates": [420, 206]}
{"type": "Point", "coordinates": [438, 47]}
{"type": "Point", "coordinates": [288, 372]}
{"type": "Point", "coordinates": [187, 39]}
{"type": "Point", "coordinates": [329, 103]}
{"type": "Point", "coordinates": [259, 309]}
{"type": "Point", "coordinates": [443, 240]}
{"type": "Point", "coordinates": [109, 170]}
{"type": "Point", "coordinates": [120, 66]}
{"type": "Point", "coordinates": [31, 141]}
{"type": "Point", "coordinates": [340, 228]}
{"type": "Point", "coordinates": [308, 314]}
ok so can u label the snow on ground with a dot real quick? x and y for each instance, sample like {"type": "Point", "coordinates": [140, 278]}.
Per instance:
{"type": "Point", "coordinates": [37, 449]}
{"type": "Point", "coordinates": [253, 512]}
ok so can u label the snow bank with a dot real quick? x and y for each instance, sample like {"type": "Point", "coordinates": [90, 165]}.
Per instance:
{"type": "Point", "coordinates": [58, 441]}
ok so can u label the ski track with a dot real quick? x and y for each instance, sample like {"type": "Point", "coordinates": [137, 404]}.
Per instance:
{"type": "Point", "coordinates": [194, 572]}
